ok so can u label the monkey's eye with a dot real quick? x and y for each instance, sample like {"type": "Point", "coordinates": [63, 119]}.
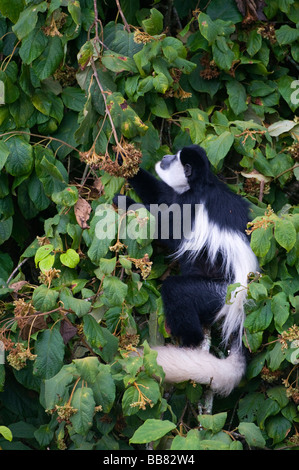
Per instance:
{"type": "Point", "coordinates": [187, 169]}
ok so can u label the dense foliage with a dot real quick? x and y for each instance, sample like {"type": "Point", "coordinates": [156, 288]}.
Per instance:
{"type": "Point", "coordinates": [81, 82]}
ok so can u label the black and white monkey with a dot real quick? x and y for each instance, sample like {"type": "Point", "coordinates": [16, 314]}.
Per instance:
{"type": "Point", "coordinates": [214, 254]}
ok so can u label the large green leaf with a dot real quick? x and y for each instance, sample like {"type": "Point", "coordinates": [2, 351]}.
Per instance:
{"type": "Point", "coordinates": [33, 45]}
{"type": "Point", "coordinates": [48, 61]}
{"type": "Point", "coordinates": [84, 403]}
{"type": "Point", "coordinates": [28, 19]}
{"type": "Point", "coordinates": [152, 430]}
{"type": "Point", "coordinates": [49, 349]}
{"type": "Point", "coordinates": [217, 147]}
{"type": "Point", "coordinates": [252, 434]}
{"type": "Point", "coordinates": [20, 159]}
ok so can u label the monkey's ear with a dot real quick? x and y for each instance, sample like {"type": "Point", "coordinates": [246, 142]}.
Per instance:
{"type": "Point", "coordinates": [187, 170]}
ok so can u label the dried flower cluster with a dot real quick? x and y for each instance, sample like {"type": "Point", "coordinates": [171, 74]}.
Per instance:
{"type": "Point", "coordinates": [64, 412]}
{"type": "Point", "coordinates": [140, 37]}
{"type": "Point", "coordinates": [91, 158]}
{"type": "Point", "coordinates": [270, 376]}
{"type": "Point", "coordinates": [66, 75]}
{"type": "Point", "coordinates": [210, 68]}
{"type": "Point", "coordinates": [58, 19]}
{"type": "Point", "coordinates": [267, 31]}
{"type": "Point", "coordinates": [143, 400]}
{"type": "Point", "coordinates": [144, 264]}
{"type": "Point", "coordinates": [18, 356]}
{"type": "Point", "coordinates": [119, 246]}
{"type": "Point", "coordinates": [294, 151]}
{"type": "Point", "coordinates": [264, 222]}
{"type": "Point", "coordinates": [126, 163]}
{"type": "Point", "coordinates": [290, 335]}
{"type": "Point", "coordinates": [292, 391]}
{"type": "Point", "coordinates": [47, 277]}
{"type": "Point", "coordinates": [129, 342]}
{"type": "Point", "coordinates": [43, 241]}
{"type": "Point", "coordinates": [253, 187]}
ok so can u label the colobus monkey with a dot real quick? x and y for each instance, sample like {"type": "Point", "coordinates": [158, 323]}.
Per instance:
{"type": "Point", "coordinates": [214, 253]}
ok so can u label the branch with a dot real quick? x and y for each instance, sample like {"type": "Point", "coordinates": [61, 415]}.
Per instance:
{"type": "Point", "coordinates": [206, 405]}
{"type": "Point", "coordinates": [126, 24]}
{"type": "Point", "coordinates": [95, 73]}
{"type": "Point", "coordinates": [15, 270]}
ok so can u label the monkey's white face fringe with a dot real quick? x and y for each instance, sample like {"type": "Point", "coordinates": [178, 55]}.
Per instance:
{"type": "Point", "coordinates": [238, 261]}
{"type": "Point", "coordinates": [174, 175]}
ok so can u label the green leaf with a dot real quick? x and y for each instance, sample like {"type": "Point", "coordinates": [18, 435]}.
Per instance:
{"type": "Point", "coordinates": [93, 332]}
{"type": "Point", "coordinates": [107, 265]}
{"type": "Point", "coordinates": [222, 54]}
{"type": "Point", "coordinates": [6, 433]}
{"type": "Point", "coordinates": [56, 388]}
{"type": "Point", "coordinates": [214, 423]}
{"type": "Point", "coordinates": [49, 60]}
{"type": "Point", "coordinates": [269, 408]}
{"type": "Point", "coordinates": [11, 9]}
{"type": "Point", "coordinates": [67, 197]}
{"type": "Point", "coordinates": [252, 434]}
{"type": "Point", "coordinates": [4, 153]}
{"type": "Point", "coordinates": [285, 89]}
{"type": "Point", "coordinates": [254, 42]}
{"type": "Point", "coordinates": [285, 234]}
{"type": "Point", "coordinates": [236, 96]}
{"type": "Point", "coordinates": [27, 19]}
{"type": "Point", "coordinates": [48, 104]}
{"type": "Point", "coordinates": [115, 290]}
{"type": "Point", "coordinates": [75, 11]}
{"type": "Point", "coordinates": [104, 389]}
{"type": "Point", "coordinates": [286, 35]}
{"type": "Point", "coordinates": [259, 319]}
{"type": "Point", "coordinates": [49, 348]}
{"type": "Point", "coordinates": [207, 27]}
{"type": "Point", "coordinates": [33, 45]}
{"type": "Point", "coordinates": [70, 258]}
{"type": "Point", "coordinates": [79, 306]}
{"type": "Point", "coordinates": [21, 110]}
{"type": "Point", "coordinates": [280, 308]}
{"type": "Point", "coordinates": [160, 83]}
{"type": "Point", "coordinates": [278, 427]}
{"type": "Point", "coordinates": [261, 240]}
{"type": "Point", "coordinates": [152, 430]}
{"type": "Point", "coordinates": [44, 299]}
{"type": "Point", "coordinates": [154, 24]}
{"type": "Point", "coordinates": [20, 159]}
{"type": "Point", "coordinates": [42, 252]}
{"type": "Point", "coordinates": [258, 291]}
{"type": "Point", "coordinates": [5, 229]}
{"type": "Point", "coordinates": [189, 442]}
{"type": "Point", "coordinates": [83, 402]}
{"type": "Point", "coordinates": [159, 107]}
{"type": "Point", "coordinates": [118, 63]}
{"type": "Point", "coordinates": [281, 127]}
{"type": "Point", "coordinates": [132, 401]}
{"type": "Point", "coordinates": [217, 147]}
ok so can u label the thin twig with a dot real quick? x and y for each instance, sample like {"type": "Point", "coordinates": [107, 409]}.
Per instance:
{"type": "Point", "coordinates": [37, 135]}
{"type": "Point", "coordinates": [15, 270]}
{"type": "Point", "coordinates": [95, 73]}
{"type": "Point", "coordinates": [126, 24]}
{"type": "Point", "coordinates": [286, 171]}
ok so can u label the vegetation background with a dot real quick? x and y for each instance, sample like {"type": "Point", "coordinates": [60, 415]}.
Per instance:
{"type": "Point", "coordinates": [80, 82]}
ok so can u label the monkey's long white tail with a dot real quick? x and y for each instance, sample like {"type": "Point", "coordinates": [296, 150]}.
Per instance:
{"type": "Point", "coordinates": [241, 261]}
{"type": "Point", "coordinates": [180, 364]}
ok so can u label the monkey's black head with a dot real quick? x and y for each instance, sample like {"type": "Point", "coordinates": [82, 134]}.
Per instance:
{"type": "Point", "coordinates": [180, 171]}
